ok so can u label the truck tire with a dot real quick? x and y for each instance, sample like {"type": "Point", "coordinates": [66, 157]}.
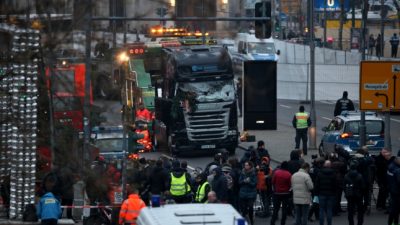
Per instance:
{"type": "Point", "coordinates": [231, 150]}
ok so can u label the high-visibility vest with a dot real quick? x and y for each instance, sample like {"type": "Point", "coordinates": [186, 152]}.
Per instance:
{"type": "Point", "coordinates": [144, 114]}
{"type": "Point", "coordinates": [130, 209]}
{"type": "Point", "coordinates": [179, 185]}
{"type": "Point", "coordinates": [201, 192]}
{"type": "Point", "coordinates": [301, 118]}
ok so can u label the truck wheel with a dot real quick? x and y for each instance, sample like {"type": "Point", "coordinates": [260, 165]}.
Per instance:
{"type": "Point", "coordinates": [231, 150]}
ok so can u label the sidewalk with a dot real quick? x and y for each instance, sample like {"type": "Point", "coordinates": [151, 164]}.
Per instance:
{"type": "Point", "coordinates": [279, 143]}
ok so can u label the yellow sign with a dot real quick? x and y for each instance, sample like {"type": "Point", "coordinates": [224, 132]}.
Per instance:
{"type": "Point", "coordinates": [379, 86]}
{"type": "Point", "coordinates": [346, 25]}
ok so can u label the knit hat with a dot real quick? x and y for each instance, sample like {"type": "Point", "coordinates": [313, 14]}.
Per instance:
{"type": "Point", "coordinates": [226, 169]}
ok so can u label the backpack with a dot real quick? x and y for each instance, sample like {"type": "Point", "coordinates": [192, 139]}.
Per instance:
{"type": "Point", "coordinates": [29, 213]}
{"type": "Point", "coordinates": [349, 190]}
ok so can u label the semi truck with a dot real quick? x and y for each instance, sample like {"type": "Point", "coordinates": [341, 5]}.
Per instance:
{"type": "Point", "coordinates": [196, 102]}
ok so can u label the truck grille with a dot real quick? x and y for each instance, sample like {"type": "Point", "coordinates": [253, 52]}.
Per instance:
{"type": "Point", "coordinates": [210, 124]}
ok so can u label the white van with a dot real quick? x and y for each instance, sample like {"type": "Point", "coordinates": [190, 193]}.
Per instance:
{"type": "Point", "coordinates": [180, 214]}
{"type": "Point", "coordinates": [251, 48]}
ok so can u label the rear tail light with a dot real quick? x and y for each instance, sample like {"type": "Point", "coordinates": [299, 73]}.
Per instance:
{"type": "Point", "coordinates": [382, 135]}
{"type": "Point", "coordinates": [346, 135]}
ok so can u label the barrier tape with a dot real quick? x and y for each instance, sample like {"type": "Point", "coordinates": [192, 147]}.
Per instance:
{"type": "Point", "coordinates": [88, 206]}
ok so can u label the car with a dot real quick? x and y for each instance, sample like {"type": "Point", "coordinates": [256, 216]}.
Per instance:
{"type": "Point", "coordinates": [343, 130]}
{"type": "Point", "coordinates": [109, 140]}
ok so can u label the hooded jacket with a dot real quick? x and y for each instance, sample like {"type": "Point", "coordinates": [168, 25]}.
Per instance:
{"type": "Point", "coordinates": [158, 180]}
{"type": "Point", "coordinates": [48, 207]}
{"type": "Point", "coordinates": [220, 185]}
{"type": "Point", "coordinates": [248, 183]}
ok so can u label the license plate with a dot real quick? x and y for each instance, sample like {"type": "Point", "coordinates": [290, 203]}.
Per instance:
{"type": "Point", "coordinates": [207, 146]}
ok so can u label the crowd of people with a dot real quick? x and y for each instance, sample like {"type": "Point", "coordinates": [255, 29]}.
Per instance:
{"type": "Point", "coordinates": [306, 191]}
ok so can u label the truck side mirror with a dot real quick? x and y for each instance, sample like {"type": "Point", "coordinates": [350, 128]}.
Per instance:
{"type": "Point", "coordinates": [278, 52]}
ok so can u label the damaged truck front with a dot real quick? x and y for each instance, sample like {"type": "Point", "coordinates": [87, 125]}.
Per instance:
{"type": "Point", "coordinates": [196, 100]}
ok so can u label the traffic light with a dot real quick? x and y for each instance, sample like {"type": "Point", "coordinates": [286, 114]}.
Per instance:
{"type": "Point", "coordinates": [263, 27]}
{"type": "Point", "coordinates": [133, 146]}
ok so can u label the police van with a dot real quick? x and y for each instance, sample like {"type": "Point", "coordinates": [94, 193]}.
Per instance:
{"type": "Point", "coordinates": [251, 48]}
{"type": "Point", "coordinates": [176, 214]}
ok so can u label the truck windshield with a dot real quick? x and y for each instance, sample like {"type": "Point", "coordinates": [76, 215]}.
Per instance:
{"type": "Point", "coordinates": [110, 144]}
{"type": "Point", "coordinates": [210, 91]}
{"type": "Point", "coordinates": [261, 48]}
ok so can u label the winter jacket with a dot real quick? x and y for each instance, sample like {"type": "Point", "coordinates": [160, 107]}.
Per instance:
{"type": "Point", "coordinates": [158, 180]}
{"type": "Point", "coordinates": [325, 184]}
{"type": "Point", "coordinates": [302, 186]}
{"type": "Point", "coordinates": [48, 207]}
{"type": "Point", "coordinates": [393, 178]}
{"type": "Point", "coordinates": [247, 183]}
{"type": "Point", "coordinates": [340, 169]}
{"type": "Point", "coordinates": [220, 185]}
{"type": "Point", "coordinates": [281, 181]}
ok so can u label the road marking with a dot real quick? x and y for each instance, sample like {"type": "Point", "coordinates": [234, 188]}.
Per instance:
{"type": "Point", "coordinates": [171, 158]}
{"type": "Point", "coordinates": [328, 102]}
{"type": "Point", "coordinates": [285, 106]}
{"type": "Point", "coordinates": [395, 120]}
{"type": "Point", "coordinates": [326, 118]}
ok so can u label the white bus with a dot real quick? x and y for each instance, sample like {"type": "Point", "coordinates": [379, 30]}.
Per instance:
{"type": "Point", "coordinates": [251, 48]}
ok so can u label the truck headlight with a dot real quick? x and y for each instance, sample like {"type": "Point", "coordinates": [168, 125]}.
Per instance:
{"type": "Point", "coordinates": [232, 132]}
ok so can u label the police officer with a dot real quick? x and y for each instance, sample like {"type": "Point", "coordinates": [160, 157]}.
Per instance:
{"type": "Point", "coordinates": [394, 42]}
{"type": "Point", "coordinates": [179, 184]}
{"type": "Point", "coordinates": [343, 104]}
{"type": "Point", "coordinates": [301, 121]}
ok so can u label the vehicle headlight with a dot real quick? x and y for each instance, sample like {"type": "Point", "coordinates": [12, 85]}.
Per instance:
{"type": "Point", "coordinates": [232, 132]}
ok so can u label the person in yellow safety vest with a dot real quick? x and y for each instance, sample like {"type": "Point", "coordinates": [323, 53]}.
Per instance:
{"type": "Point", "coordinates": [301, 121]}
{"type": "Point", "coordinates": [203, 188]}
{"type": "Point", "coordinates": [179, 185]}
{"type": "Point", "coordinates": [131, 207]}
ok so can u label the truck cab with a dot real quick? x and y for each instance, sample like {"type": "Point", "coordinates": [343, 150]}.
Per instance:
{"type": "Point", "coordinates": [197, 102]}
